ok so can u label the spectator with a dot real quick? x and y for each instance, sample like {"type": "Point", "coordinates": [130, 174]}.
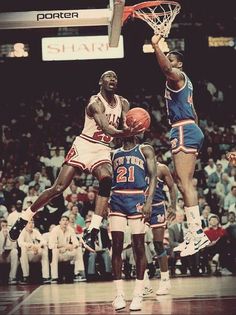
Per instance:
{"type": "Point", "coordinates": [16, 194]}
{"type": "Point", "coordinates": [3, 211]}
{"type": "Point", "coordinates": [214, 178]}
{"type": "Point", "coordinates": [230, 198]}
{"type": "Point", "coordinates": [223, 161]}
{"type": "Point", "coordinates": [65, 247]}
{"type": "Point", "coordinates": [205, 216]}
{"type": "Point", "coordinates": [101, 255]}
{"type": "Point", "coordinates": [8, 252]}
{"type": "Point", "coordinates": [22, 185]}
{"type": "Point", "coordinates": [89, 204]}
{"type": "Point", "coordinates": [33, 249]}
{"type": "Point", "coordinates": [223, 188]}
{"type": "Point", "coordinates": [210, 168]}
{"type": "Point", "coordinates": [31, 197]}
{"type": "Point", "coordinates": [218, 237]}
{"type": "Point", "coordinates": [231, 220]}
{"type": "Point", "coordinates": [4, 196]}
{"type": "Point", "coordinates": [37, 180]}
{"type": "Point", "coordinates": [56, 162]}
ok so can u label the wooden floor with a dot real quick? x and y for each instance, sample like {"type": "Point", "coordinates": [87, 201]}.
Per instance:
{"type": "Point", "coordinates": [203, 295]}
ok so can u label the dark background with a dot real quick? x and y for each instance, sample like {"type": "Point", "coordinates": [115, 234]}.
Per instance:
{"type": "Point", "coordinates": [196, 21]}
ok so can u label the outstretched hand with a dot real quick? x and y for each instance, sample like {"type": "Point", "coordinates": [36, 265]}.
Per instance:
{"type": "Point", "coordinates": [146, 210]}
{"type": "Point", "coordinates": [133, 129]}
{"type": "Point", "coordinates": [156, 39]}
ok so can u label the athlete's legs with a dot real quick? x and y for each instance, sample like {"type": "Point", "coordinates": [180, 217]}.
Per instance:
{"type": "Point", "coordinates": [62, 182]}
{"type": "Point", "coordinates": [185, 166]}
{"type": "Point", "coordinates": [104, 175]}
{"type": "Point", "coordinates": [118, 226]}
{"type": "Point", "coordinates": [158, 236]}
{"type": "Point", "coordinates": [141, 264]}
{"type": "Point", "coordinates": [117, 247]}
{"type": "Point", "coordinates": [139, 255]}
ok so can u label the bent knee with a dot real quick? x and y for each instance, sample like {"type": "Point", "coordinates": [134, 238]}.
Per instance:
{"type": "Point", "coordinates": [105, 186]}
{"type": "Point", "coordinates": [58, 189]}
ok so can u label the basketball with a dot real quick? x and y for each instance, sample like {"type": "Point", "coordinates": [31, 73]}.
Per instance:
{"type": "Point", "coordinates": [140, 115]}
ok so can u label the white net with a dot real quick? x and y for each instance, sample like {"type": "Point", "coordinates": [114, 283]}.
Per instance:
{"type": "Point", "coordinates": [160, 16]}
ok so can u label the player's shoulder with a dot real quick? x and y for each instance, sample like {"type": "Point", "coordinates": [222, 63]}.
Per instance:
{"type": "Point", "coordinates": [146, 147]}
{"type": "Point", "coordinates": [124, 101]}
{"type": "Point", "coordinates": [93, 99]}
{"type": "Point", "coordinates": [162, 167]}
{"type": "Point", "coordinates": [94, 105]}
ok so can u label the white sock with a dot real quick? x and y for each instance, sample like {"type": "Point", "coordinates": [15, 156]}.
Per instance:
{"type": "Point", "coordinates": [138, 289]}
{"type": "Point", "coordinates": [27, 214]}
{"type": "Point", "coordinates": [119, 287]}
{"type": "Point", "coordinates": [165, 276]}
{"type": "Point", "coordinates": [95, 222]}
{"type": "Point", "coordinates": [146, 279]}
{"type": "Point", "coordinates": [193, 217]}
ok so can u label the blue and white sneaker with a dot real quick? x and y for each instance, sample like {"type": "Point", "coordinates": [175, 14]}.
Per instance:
{"type": "Point", "coordinates": [197, 242]}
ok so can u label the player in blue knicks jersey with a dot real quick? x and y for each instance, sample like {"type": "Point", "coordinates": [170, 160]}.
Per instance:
{"type": "Point", "coordinates": [131, 163]}
{"type": "Point", "coordinates": [186, 140]}
{"type": "Point", "coordinates": [158, 222]}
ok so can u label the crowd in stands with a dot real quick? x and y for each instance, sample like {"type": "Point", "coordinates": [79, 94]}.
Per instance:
{"type": "Point", "coordinates": [35, 137]}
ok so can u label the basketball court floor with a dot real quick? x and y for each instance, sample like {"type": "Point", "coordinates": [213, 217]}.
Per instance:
{"type": "Point", "coordinates": [200, 295]}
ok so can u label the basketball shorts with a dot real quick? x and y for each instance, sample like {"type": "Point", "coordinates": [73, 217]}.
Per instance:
{"type": "Point", "coordinates": [186, 136]}
{"type": "Point", "coordinates": [158, 215]}
{"type": "Point", "coordinates": [87, 155]}
{"type": "Point", "coordinates": [127, 208]}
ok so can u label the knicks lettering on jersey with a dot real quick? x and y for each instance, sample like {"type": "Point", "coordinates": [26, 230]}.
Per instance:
{"type": "Point", "coordinates": [134, 160]}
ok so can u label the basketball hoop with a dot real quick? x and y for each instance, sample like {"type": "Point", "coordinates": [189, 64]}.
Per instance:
{"type": "Point", "coordinates": [159, 15]}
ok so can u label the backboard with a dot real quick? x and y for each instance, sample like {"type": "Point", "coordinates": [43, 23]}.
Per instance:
{"type": "Point", "coordinates": [110, 16]}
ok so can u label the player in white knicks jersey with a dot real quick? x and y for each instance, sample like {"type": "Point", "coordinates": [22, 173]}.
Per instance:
{"type": "Point", "coordinates": [91, 152]}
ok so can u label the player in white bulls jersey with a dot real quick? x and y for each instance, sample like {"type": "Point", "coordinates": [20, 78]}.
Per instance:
{"type": "Point", "coordinates": [91, 152]}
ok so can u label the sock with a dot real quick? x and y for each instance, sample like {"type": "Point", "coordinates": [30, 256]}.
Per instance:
{"type": "Point", "coordinates": [165, 275]}
{"type": "Point", "coordinates": [193, 217]}
{"type": "Point", "coordinates": [95, 222]}
{"type": "Point", "coordinates": [146, 280]}
{"type": "Point", "coordinates": [27, 214]}
{"type": "Point", "coordinates": [119, 287]}
{"type": "Point", "coordinates": [138, 289]}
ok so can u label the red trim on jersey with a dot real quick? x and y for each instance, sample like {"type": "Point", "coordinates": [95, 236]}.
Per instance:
{"type": "Point", "coordinates": [158, 225]}
{"type": "Point", "coordinates": [117, 214]}
{"type": "Point", "coordinates": [76, 164]}
{"type": "Point", "coordinates": [128, 191]}
{"type": "Point", "coordinates": [184, 149]}
{"type": "Point", "coordinates": [183, 122]}
{"type": "Point", "coordinates": [136, 216]}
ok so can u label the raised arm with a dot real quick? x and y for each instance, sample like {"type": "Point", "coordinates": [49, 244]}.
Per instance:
{"type": "Point", "coordinates": [170, 73]}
